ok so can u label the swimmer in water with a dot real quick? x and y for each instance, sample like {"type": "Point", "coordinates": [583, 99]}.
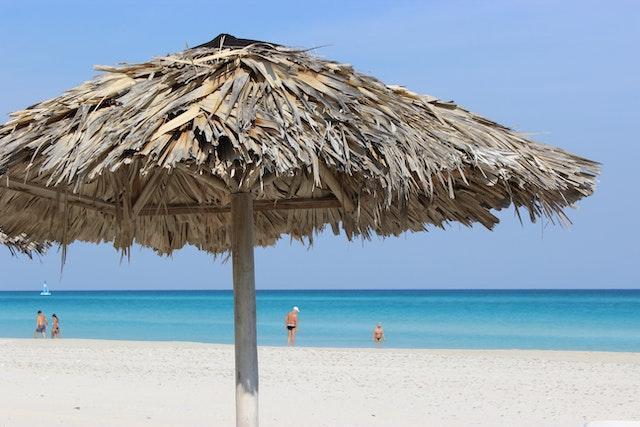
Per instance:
{"type": "Point", "coordinates": [378, 334]}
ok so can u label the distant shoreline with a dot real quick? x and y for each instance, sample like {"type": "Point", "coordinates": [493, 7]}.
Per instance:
{"type": "Point", "coordinates": [383, 348]}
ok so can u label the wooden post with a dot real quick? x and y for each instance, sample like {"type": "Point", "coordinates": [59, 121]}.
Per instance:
{"type": "Point", "coordinates": [244, 299]}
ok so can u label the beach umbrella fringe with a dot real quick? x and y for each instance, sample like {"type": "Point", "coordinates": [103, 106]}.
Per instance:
{"type": "Point", "coordinates": [21, 244]}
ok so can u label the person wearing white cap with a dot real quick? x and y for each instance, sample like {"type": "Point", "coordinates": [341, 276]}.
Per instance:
{"type": "Point", "coordinates": [291, 322]}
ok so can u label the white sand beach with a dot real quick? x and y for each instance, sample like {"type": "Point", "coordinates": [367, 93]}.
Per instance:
{"type": "Point", "coordinates": [125, 383]}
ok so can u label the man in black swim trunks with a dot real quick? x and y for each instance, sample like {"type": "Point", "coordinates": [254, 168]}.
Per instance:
{"type": "Point", "coordinates": [291, 322]}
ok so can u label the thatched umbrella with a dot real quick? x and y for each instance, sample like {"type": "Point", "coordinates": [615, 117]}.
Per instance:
{"type": "Point", "coordinates": [236, 143]}
{"type": "Point", "coordinates": [22, 244]}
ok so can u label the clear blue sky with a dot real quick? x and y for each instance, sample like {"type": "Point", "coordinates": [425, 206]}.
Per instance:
{"type": "Point", "coordinates": [568, 71]}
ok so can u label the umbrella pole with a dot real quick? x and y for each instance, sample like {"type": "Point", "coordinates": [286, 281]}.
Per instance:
{"type": "Point", "coordinates": [244, 298]}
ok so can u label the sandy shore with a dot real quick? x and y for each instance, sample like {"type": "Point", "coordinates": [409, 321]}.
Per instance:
{"type": "Point", "coordinates": [125, 383]}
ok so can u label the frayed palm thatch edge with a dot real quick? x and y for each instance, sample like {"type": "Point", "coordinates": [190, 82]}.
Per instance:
{"type": "Point", "coordinates": [151, 152]}
{"type": "Point", "coordinates": [21, 244]}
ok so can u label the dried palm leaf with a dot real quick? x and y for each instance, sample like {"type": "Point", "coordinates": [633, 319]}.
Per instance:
{"type": "Point", "coordinates": [150, 153]}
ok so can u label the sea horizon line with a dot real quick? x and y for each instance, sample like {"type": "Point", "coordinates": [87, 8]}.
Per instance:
{"type": "Point", "coordinates": [322, 289]}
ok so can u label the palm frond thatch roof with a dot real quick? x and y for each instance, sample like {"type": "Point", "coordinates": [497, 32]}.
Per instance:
{"type": "Point", "coordinates": [21, 244]}
{"type": "Point", "coordinates": [150, 153]}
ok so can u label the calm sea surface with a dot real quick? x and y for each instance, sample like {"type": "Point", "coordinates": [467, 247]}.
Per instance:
{"type": "Point", "coordinates": [568, 320]}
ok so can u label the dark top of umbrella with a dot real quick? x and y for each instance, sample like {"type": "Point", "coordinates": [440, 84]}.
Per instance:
{"type": "Point", "coordinates": [228, 41]}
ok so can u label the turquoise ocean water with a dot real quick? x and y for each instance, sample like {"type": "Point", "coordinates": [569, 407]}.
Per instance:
{"type": "Point", "coordinates": [541, 319]}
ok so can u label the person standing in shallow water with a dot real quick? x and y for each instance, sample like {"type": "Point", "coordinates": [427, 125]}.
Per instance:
{"type": "Point", "coordinates": [41, 325]}
{"type": "Point", "coordinates": [378, 334]}
{"type": "Point", "coordinates": [55, 327]}
{"type": "Point", "coordinates": [291, 323]}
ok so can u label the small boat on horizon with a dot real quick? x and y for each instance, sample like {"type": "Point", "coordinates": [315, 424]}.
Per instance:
{"type": "Point", "coordinates": [45, 290]}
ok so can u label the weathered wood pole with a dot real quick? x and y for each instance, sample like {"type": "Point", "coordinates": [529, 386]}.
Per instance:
{"type": "Point", "coordinates": [244, 299]}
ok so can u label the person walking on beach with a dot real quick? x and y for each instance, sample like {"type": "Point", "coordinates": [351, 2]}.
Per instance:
{"type": "Point", "coordinates": [291, 322]}
{"type": "Point", "coordinates": [378, 334]}
{"type": "Point", "coordinates": [55, 328]}
{"type": "Point", "coordinates": [41, 325]}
